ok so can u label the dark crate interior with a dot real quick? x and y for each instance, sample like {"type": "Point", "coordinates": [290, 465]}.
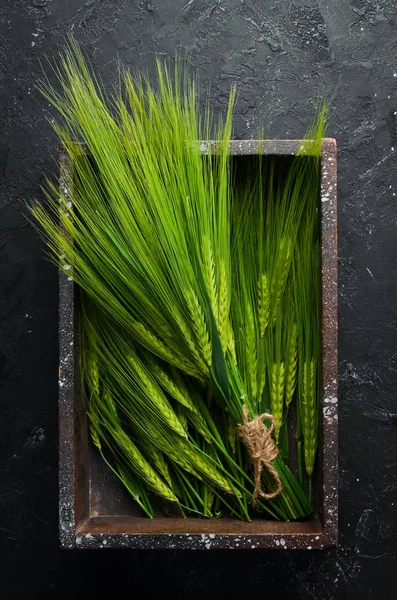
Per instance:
{"type": "Point", "coordinates": [103, 506]}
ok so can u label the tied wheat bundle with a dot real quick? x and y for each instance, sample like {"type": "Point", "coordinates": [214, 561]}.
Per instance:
{"type": "Point", "coordinates": [200, 295]}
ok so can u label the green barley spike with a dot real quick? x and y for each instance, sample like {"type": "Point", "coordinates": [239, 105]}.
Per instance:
{"type": "Point", "coordinates": [209, 275]}
{"type": "Point", "coordinates": [158, 397]}
{"type": "Point", "coordinates": [262, 383]}
{"type": "Point", "coordinates": [150, 341]}
{"type": "Point", "coordinates": [200, 327]}
{"type": "Point", "coordinates": [223, 312]}
{"type": "Point", "coordinates": [173, 384]}
{"type": "Point", "coordinates": [310, 416]}
{"type": "Point", "coordinates": [263, 303]}
{"type": "Point", "coordinates": [141, 465]}
{"type": "Point", "coordinates": [277, 396]}
{"type": "Point", "coordinates": [252, 359]}
{"type": "Point", "coordinates": [292, 368]}
{"type": "Point", "coordinates": [283, 262]}
{"type": "Point", "coordinates": [160, 463]}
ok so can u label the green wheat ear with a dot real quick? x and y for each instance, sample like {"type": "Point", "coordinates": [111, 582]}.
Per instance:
{"type": "Point", "coordinates": [158, 397]}
{"type": "Point", "coordinates": [292, 368]}
{"type": "Point", "coordinates": [310, 418]}
{"type": "Point", "coordinates": [263, 303]}
{"type": "Point", "coordinates": [95, 437]}
{"type": "Point", "coordinates": [142, 466]}
{"type": "Point", "coordinates": [182, 416]}
{"type": "Point", "coordinates": [200, 327]}
{"type": "Point", "coordinates": [160, 463]}
{"type": "Point", "coordinates": [153, 343]}
{"type": "Point", "coordinates": [252, 358]}
{"type": "Point", "coordinates": [173, 384]}
{"type": "Point", "coordinates": [209, 276]}
{"type": "Point", "coordinates": [277, 396]}
{"type": "Point", "coordinates": [223, 312]}
{"type": "Point", "coordinates": [280, 277]}
{"type": "Point", "coordinates": [206, 469]}
{"type": "Point", "coordinates": [262, 383]}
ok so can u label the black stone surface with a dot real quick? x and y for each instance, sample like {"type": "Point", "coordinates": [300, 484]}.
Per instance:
{"type": "Point", "coordinates": [283, 56]}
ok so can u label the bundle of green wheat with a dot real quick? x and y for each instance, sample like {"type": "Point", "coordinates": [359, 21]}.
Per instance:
{"type": "Point", "coordinates": [200, 296]}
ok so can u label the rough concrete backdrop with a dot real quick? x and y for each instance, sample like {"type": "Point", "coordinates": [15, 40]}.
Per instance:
{"type": "Point", "coordinates": [284, 56]}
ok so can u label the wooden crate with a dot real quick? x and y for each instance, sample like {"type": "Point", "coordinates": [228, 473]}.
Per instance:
{"type": "Point", "coordinates": [95, 510]}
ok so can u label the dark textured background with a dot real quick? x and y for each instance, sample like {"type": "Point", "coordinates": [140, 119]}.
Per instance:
{"type": "Point", "coordinates": [282, 55]}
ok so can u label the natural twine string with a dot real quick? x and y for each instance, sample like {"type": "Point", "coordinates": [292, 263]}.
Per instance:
{"type": "Point", "coordinates": [262, 450]}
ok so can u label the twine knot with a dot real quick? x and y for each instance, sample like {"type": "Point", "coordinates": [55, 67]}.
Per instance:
{"type": "Point", "coordinates": [262, 450]}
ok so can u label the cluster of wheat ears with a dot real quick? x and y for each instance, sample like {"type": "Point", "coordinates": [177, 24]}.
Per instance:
{"type": "Point", "coordinates": [200, 294]}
